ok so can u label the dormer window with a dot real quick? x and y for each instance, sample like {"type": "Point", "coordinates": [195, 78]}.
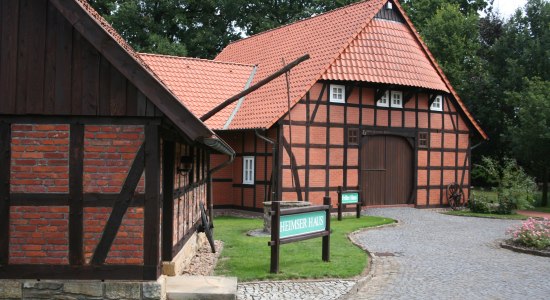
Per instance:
{"type": "Point", "coordinates": [337, 93]}
{"type": "Point", "coordinates": [391, 99]}
{"type": "Point", "coordinates": [437, 104]}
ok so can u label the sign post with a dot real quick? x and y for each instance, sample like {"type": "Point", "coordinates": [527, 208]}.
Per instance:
{"type": "Point", "coordinates": [348, 197]}
{"type": "Point", "coordinates": [298, 224]}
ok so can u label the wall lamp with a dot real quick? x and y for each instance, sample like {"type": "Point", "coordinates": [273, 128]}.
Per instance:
{"type": "Point", "coordinates": [186, 165]}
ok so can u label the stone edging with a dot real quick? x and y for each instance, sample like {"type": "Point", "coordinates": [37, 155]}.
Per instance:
{"type": "Point", "coordinates": [524, 250]}
{"type": "Point", "coordinates": [367, 274]}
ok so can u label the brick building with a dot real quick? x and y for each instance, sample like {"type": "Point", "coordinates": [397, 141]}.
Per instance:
{"type": "Point", "coordinates": [102, 168]}
{"type": "Point", "coordinates": [370, 109]}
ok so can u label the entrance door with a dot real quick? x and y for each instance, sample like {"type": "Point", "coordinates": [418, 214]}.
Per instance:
{"type": "Point", "coordinates": [386, 170]}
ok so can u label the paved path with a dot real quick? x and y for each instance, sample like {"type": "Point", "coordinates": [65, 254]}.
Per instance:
{"type": "Point", "coordinates": [292, 290]}
{"type": "Point", "coordinates": [447, 257]}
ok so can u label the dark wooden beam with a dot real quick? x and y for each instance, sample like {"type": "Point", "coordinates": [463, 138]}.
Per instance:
{"type": "Point", "coordinates": [407, 97]}
{"type": "Point", "coordinates": [318, 102]}
{"type": "Point", "coordinates": [151, 234]}
{"type": "Point", "coordinates": [76, 194]}
{"type": "Point", "coordinates": [294, 169]}
{"type": "Point", "coordinates": [432, 99]}
{"type": "Point", "coordinates": [168, 162]}
{"type": "Point", "coordinates": [105, 272]}
{"type": "Point", "coordinates": [26, 119]}
{"type": "Point", "coordinates": [119, 208]}
{"type": "Point", "coordinates": [379, 93]}
{"type": "Point", "coordinates": [5, 161]}
{"type": "Point", "coordinates": [60, 199]}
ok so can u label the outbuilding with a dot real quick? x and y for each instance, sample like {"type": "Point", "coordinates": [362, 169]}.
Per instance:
{"type": "Point", "coordinates": [103, 170]}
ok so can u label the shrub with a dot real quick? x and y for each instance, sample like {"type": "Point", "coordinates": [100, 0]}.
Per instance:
{"type": "Point", "coordinates": [480, 203]}
{"type": "Point", "coordinates": [532, 233]}
{"type": "Point", "coordinates": [515, 189]}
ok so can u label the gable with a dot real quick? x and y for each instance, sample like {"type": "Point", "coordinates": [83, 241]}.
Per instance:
{"type": "Point", "coordinates": [386, 52]}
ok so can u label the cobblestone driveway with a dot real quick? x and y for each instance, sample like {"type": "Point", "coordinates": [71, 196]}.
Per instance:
{"type": "Point", "coordinates": [447, 257]}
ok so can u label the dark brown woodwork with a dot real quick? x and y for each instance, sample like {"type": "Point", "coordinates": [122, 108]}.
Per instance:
{"type": "Point", "coordinates": [294, 170]}
{"type": "Point", "coordinates": [318, 102]}
{"type": "Point", "coordinates": [5, 162]}
{"type": "Point", "coordinates": [8, 55]}
{"type": "Point", "coordinates": [168, 173]}
{"type": "Point", "coordinates": [130, 68]}
{"type": "Point", "coordinates": [76, 74]}
{"type": "Point", "coordinates": [119, 208]}
{"type": "Point", "coordinates": [379, 93]}
{"type": "Point", "coordinates": [105, 272]}
{"type": "Point", "coordinates": [152, 205]}
{"type": "Point", "coordinates": [56, 199]}
{"type": "Point", "coordinates": [63, 57]}
{"type": "Point", "coordinates": [76, 196]}
{"type": "Point", "coordinates": [387, 168]}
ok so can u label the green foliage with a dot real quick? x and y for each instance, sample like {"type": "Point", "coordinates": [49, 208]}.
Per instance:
{"type": "Point", "coordinates": [515, 189]}
{"type": "Point", "coordinates": [532, 233]}
{"type": "Point", "coordinates": [248, 258]}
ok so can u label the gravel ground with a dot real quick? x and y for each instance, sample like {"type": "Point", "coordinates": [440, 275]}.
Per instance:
{"type": "Point", "coordinates": [435, 256]}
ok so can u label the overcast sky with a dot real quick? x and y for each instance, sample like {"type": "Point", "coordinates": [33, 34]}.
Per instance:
{"type": "Point", "coordinates": [508, 7]}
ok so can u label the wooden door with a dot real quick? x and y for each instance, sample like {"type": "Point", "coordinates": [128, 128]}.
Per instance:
{"type": "Point", "coordinates": [386, 170]}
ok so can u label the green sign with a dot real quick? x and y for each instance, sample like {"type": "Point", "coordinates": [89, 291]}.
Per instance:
{"type": "Point", "coordinates": [348, 198]}
{"type": "Point", "coordinates": [304, 223]}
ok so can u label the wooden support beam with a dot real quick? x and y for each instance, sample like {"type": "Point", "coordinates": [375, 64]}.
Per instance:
{"type": "Point", "coordinates": [379, 94]}
{"type": "Point", "coordinates": [432, 99]}
{"type": "Point", "coordinates": [168, 162]}
{"type": "Point", "coordinates": [151, 234]}
{"type": "Point", "coordinates": [76, 194]}
{"type": "Point", "coordinates": [294, 170]}
{"type": "Point", "coordinates": [407, 97]}
{"type": "Point", "coordinates": [5, 161]}
{"type": "Point", "coordinates": [119, 208]}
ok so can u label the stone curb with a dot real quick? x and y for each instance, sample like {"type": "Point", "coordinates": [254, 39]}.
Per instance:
{"type": "Point", "coordinates": [524, 250]}
{"type": "Point", "coordinates": [367, 273]}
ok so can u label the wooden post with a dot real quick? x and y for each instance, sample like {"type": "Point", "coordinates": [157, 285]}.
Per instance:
{"type": "Point", "coordinates": [76, 191]}
{"type": "Point", "coordinates": [151, 224]}
{"type": "Point", "coordinates": [358, 208]}
{"type": "Point", "coordinates": [5, 161]}
{"type": "Point", "coordinates": [275, 230]}
{"type": "Point", "coordinates": [326, 238]}
{"type": "Point", "coordinates": [168, 161]}
{"type": "Point", "coordinates": [340, 206]}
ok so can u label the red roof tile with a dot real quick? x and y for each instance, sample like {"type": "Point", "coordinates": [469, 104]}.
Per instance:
{"type": "Point", "coordinates": [344, 44]}
{"type": "Point", "coordinates": [201, 84]}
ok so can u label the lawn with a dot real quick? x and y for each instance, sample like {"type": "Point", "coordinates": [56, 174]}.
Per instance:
{"type": "Point", "coordinates": [541, 209]}
{"type": "Point", "coordinates": [467, 213]}
{"type": "Point", "coordinates": [248, 258]}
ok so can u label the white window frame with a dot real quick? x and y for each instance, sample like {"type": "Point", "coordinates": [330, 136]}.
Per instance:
{"type": "Point", "coordinates": [393, 98]}
{"type": "Point", "coordinates": [437, 104]}
{"type": "Point", "coordinates": [384, 101]}
{"type": "Point", "coordinates": [339, 96]}
{"type": "Point", "coordinates": [248, 169]}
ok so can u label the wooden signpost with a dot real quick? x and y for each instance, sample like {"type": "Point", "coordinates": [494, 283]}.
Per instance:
{"type": "Point", "coordinates": [348, 197]}
{"type": "Point", "coordinates": [298, 224]}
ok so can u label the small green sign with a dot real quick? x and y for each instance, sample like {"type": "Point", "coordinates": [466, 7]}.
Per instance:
{"type": "Point", "coordinates": [304, 223]}
{"type": "Point", "coordinates": [349, 198]}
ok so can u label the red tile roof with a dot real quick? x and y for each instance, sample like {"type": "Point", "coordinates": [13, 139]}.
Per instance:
{"type": "Point", "coordinates": [201, 84]}
{"type": "Point", "coordinates": [334, 41]}
{"type": "Point", "coordinates": [386, 52]}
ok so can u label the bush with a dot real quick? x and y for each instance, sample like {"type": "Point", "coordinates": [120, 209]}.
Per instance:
{"type": "Point", "coordinates": [480, 203]}
{"type": "Point", "coordinates": [515, 189]}
{"type": "Point", "coordinates": [532, 233]}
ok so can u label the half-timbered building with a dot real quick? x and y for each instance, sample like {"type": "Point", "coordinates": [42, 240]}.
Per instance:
{"type": "Point", "coordinates": [102, 168]}
{"type": "Point", "coordinates": [370, 109]}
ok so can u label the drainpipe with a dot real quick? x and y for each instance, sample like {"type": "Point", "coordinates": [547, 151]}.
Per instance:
{"type": "Point", "coordinates": [274, 165]}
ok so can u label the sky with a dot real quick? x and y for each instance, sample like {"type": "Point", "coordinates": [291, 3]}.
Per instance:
{"type": "Point", "coordinates": [508, 7]}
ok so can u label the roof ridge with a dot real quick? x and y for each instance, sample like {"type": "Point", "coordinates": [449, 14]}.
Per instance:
{"type": "Point", "coordinates": [195, 58]}
{"type": "Point", "coordinates": [298, 21]}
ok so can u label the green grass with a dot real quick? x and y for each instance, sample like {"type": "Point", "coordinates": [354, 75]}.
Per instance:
{"type": "Point", "coordinates": [248, 258]}
{"type": "Point", "coordinates": [492, 195]}
{"type": "Point", "coordinates": [467, 213]}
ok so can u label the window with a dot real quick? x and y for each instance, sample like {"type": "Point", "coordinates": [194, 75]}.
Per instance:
{"type": "Point", "coordinates": [353, 136]}
{"type": "Point", "coordinates": [337, 93]}
{"type": "Point", "coordinates": [437, 104]}
{"type": "Point", "coordinates": [248, 169]}
{"type": "Point", "coordinates": [423, 140]}
{"type": "Point", "coordinates": [396, 99]}
{"type": "Point", "coordinates": [384, 100]}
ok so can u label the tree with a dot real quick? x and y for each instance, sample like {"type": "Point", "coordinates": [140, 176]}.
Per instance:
{"type": "Point", "coordinates": [530, 131]}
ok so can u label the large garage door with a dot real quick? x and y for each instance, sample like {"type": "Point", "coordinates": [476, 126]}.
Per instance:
{"type": "Point", "coordinates": [386, 170]}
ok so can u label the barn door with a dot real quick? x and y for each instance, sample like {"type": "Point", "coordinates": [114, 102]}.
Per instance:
{"type": "Point", "coordinates": [387, 170]}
